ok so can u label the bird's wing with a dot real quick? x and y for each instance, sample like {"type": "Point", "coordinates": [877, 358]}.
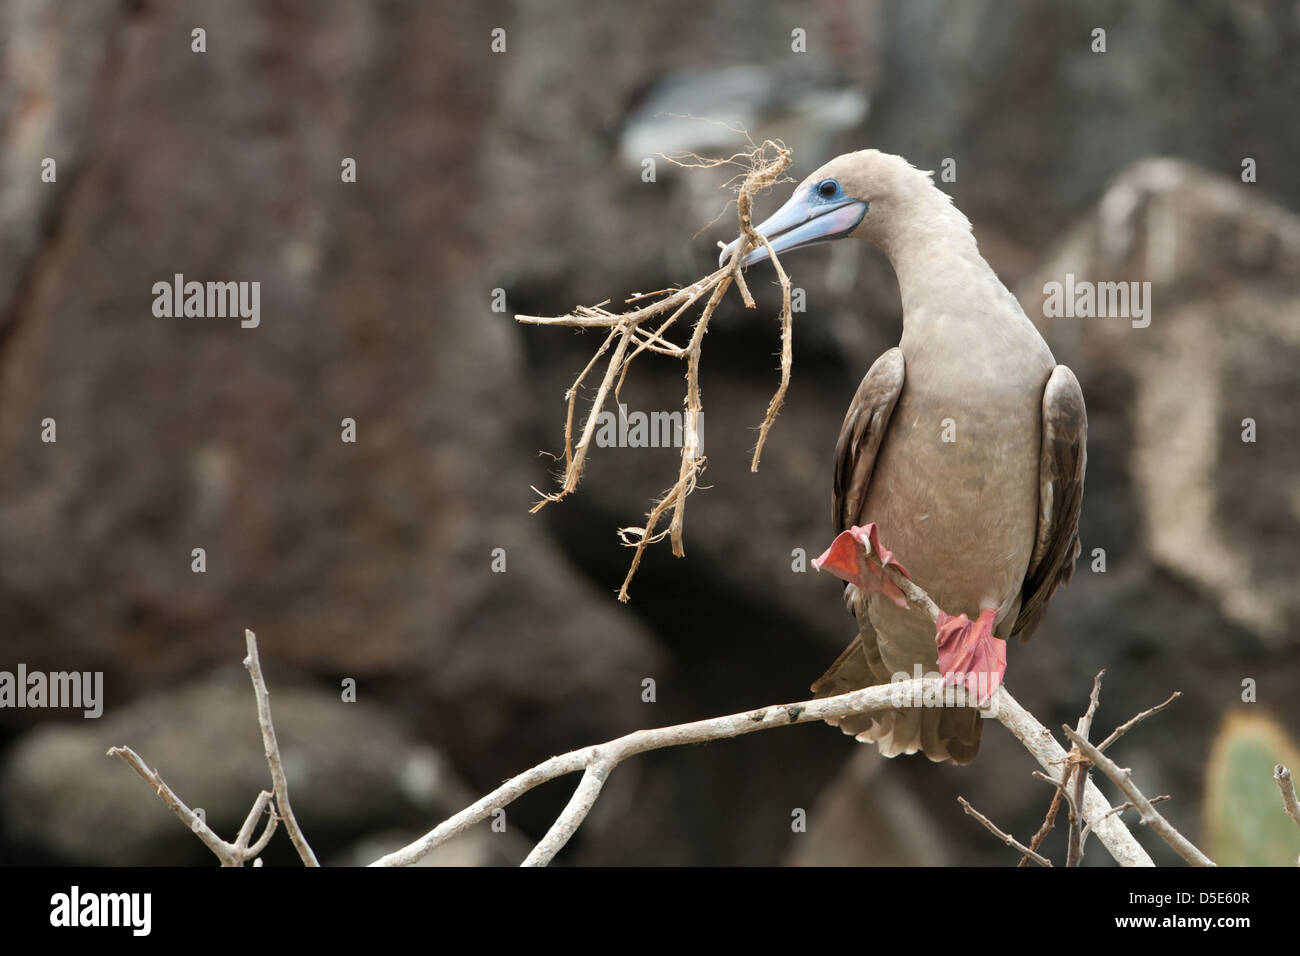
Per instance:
{"type": "Point", "coordinates": [855, 458]}
{"type": "Point", "coordinates": [1061, 463]}
{"type": "Point", "coordinates": [860, 436]}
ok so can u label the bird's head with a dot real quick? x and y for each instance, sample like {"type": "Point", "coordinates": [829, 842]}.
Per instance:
{"type": "Point", "coordinates": [858, 194]}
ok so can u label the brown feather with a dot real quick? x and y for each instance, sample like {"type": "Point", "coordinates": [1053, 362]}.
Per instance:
{"type": "Point", "coordinates": [864, 427]}
{"type": "Point", "coordinates": [1062, 459]}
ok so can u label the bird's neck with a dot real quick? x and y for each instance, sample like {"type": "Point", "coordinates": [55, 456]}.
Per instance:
{"type": "Point", "coordinates": [933, 250]}
{"type": "Point", "coordinates": [955, 308]}
{"type": "Point", "coordinates": [941, 273]}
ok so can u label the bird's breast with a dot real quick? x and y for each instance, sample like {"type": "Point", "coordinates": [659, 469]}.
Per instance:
{"type": "Point", "coordinates": [955, 493]}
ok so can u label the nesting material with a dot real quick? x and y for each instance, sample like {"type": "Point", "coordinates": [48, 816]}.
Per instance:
{"type": "Point", "coordinates": [641, 329]}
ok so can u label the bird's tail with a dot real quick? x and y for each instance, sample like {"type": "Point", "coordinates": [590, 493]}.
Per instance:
{"type": "Point", "coordinates": [941, 733]}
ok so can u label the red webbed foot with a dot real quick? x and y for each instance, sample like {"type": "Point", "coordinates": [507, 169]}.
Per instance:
{"type": "Point", "coordinates": [857, 556]}
{"type": "Point", "coordinates": [969, 653]}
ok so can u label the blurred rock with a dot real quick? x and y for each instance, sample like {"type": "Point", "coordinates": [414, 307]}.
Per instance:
{"type": "Point", "coordinates": [701, 111]}
{"type": "Point", "coordinates": [370, 560]}
{"type": "Point", "coordinates": [348, 765]}
{"type": "Point", "coordinates": [867, 815]}
{"type": "Point", "coordinates": [1223, 346]}
{"type": "Point", "coordinates": [1038, 123]}
{"type": "Point", "coordinates": [50, 56]}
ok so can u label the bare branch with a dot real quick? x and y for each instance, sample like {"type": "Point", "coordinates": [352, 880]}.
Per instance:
{"type": "Point", "coordinates": [280, 784]}
{"type": "Point", "coordinates": [866, 700]}
{"type": "Point", "coordinates": [1071, 806]}
{"type": "Point", "coordinates": [223, 850]}
{"type": "Point", "coordinates": [1049, 821]}
{"type": "Point", "coordinates": [1074, 850]}
{"type": "Point", "coordinates": [579, 805]}
{"type": "Point", "coordinates": [1128, 725]}
{"type": "Point", "coordinates": [255, 814]}
{"type": "Point", "coordinates": [239, 852]}
{"type": "Point", "coordinates": [1283, 777]}
{"type": "Point", "coordinates": [1006, 838]}
{"type": "Point", "coordinates": [255, 851]}
{"type": "Point", "coordinates": [1122, 778]}
{"type": "Point", "coordinates": [1052, 757]}
{"type": "Point", "coordinates": [598, 762]}
{"type": "Point", "coordinates": [228, 854]}
{"type": "Point", "coordinates": [787, 356]}
{"type": "Point", "coordinates": [1128, 805]}
{"type": "Point", "coordinates": [911, 590]}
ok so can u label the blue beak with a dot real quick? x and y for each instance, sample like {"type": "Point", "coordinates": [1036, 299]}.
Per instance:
{"type": "Point", "coordinates": [806, 218]}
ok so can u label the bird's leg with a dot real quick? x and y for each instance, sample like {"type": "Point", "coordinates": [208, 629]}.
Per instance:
{"type": "Point", "coordinates": [969, 653]}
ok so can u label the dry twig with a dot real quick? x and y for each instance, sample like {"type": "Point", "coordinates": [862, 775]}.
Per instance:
{"type": "Point", "coordinates": [764, 166]}
{"type": "Point", "coordinates": [1076, 769]}
{"type": "Point", "coordinates": [1061, 790]}
{"type": "Point", "coordinates": [1007, 838]}
{"type": "Point", "coordinates": [1129, 724]}
{"type": "Point", "coordinates": [278, 780]}
{"type": "Point", "coordinates": [1074, 849]}
{"type": "Point", "coordinates": [230, 854]}
{"type": "Point", "coordinates": [1123, 779]}
{"type": "Point", "coordinates": [599, 761]}
{"type": "Point", "coordinates": [1048, 823]}
{"type": "Point", "coordinates": [239, 852]}
{"type": "Point", "coordinates": [1127, 805]}
{"type": "Point", "coordinates": [1283, 777]}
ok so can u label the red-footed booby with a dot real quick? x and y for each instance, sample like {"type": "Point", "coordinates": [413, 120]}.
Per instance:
{"type": "Point", "coordinates": [964, 446]}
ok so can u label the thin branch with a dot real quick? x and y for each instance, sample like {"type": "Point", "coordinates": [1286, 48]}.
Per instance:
{"type": "Point", "coordinates": [255, 814]}
{"type": "Point", "coordinates": [250, 824]}
{"type": "Point", "coordinates": [1127, 805]}
{"type": "Point", "coordinates": [1036, 738]}
{"type": "Point", "coordinates": [1061, 789]}
{"type": "Point", "coordinates": [572, 398]}
{"type": "Point", "coordinates": [1128, 725]}
{"type": "Point", "coordinates": [787, 356]}
{"type": "Point", "coordinates": [1049, 822]}
{"type": "Point", "coordinates": [579, 805]}
{"type": "Point", "coordinates": [278, 780]}
{"type": "Point", "coordinates": [598, 762]}
{"type": "Point", "coordinates": [911, 590]}
{"type": "Point", "coordinates": [1006, 838]}
{"type": "Point", "coordinates": [1122, 778]}
{"type": "Point", "coordinates": [224, 851]}
{"type": "Point", "coordinates": [1074, 850]}
{"type": "Point", "coordinates": [1283, 777]}
{"type": "Point", "coordinates": [228, 854]}
{"type": "Point", "coordinates": [239, 852]}
{"type": "Point", "coordinates": [1051, 756]}
{"type": "Point", "coordinates": [255, 851]}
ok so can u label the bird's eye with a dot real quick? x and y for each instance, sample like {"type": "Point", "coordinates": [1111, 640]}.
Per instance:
{"type": "Point", "coordinates": [828, 188]}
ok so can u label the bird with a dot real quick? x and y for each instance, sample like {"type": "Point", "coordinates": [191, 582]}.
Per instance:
{"type": "Point", "coordinates": [961, 457]}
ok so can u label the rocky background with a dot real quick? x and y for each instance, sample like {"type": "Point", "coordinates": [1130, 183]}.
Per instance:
{"type": "Point", "coordinates": [522, 171]}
